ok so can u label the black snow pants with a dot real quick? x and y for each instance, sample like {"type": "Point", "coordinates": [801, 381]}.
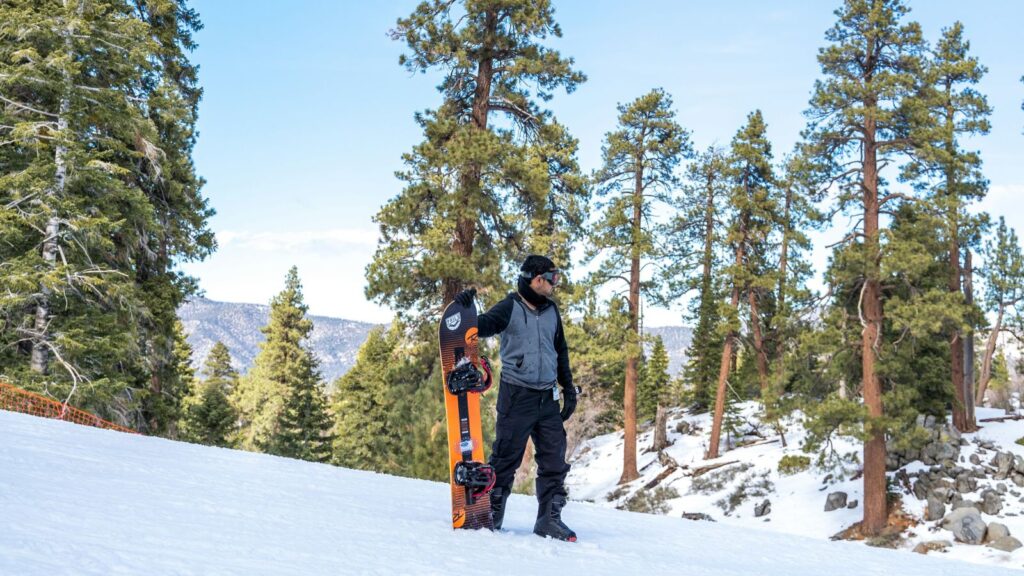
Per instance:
{"type": "Point", "coordinates": [527, 413]}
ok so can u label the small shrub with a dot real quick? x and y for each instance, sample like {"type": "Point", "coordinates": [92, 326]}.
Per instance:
{"type": "Point", "coordinates": [752, 486]}
{"type": "Point", "coordinates": [793, 464]}
{"type": "Point", "coordinates": [616, 494]}
{"type": "Point", "coordinates": [1020, 441]}
{"type": "Point", "coordinates": [650, 502]}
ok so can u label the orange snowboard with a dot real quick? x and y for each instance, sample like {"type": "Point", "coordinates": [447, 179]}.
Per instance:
{"type": "Point", "coordinates": [471, 506]}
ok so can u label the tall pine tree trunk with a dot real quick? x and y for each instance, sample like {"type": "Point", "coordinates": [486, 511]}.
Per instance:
{"type": "Point", "coordinates": [762, 358]}
{"type": "Point", "coordinates": [990, 351]}
{"type": "Point", "coordinates": [875, 506]}
{"type": "Point", "coordinates": [723, 377]}
{"type": "Point", "coordinates": [629, 469]}
{"type": "Point", "coordinates": [961, 420]}
{"type": "Point", "coordinates": [969, 344]}
{"type": "Point", "coordinates": [723, 370]}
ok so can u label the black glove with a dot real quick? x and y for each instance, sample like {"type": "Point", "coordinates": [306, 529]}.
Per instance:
{"type": "Point", "coordinates": [568, 402]}
{"type": "Point", "coordinates": [465, 298]}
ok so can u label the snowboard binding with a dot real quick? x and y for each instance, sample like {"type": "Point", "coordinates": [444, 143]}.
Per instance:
{"type": "Point", "coordinates": [477, 478]}
{"type": "Point", "coordinates": [466, 377]}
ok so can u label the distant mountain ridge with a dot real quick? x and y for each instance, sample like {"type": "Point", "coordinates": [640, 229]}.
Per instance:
{"type": "Point", "coordinates": [677, 341]}
{"type": "Point", "coordinates": [334, 341]}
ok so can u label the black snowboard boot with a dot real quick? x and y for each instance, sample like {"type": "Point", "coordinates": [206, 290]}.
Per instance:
{"type": "Point", "coordinates": [498, 498]}
{"type": "Point", "coordinates": [549, 521]}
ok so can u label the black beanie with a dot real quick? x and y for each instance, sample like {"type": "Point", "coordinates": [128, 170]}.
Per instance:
{"type": "Point", "coordinates": [535, 265]}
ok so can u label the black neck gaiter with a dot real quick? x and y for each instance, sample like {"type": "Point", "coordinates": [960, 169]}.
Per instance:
{"type": "Point", "coordinates": [529, 295]}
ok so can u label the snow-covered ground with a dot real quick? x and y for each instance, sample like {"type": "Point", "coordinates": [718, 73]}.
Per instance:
{"type": "Point", "coordinates": [797, 501]}
{"type": "Point", "coordinates": [77, 500]}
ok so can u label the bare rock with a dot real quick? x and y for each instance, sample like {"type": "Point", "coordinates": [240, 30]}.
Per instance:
{"type": "Point", "coordinates": [1006, 544]}
{"type": "Point", "coordinates": [996, 531]}
{"type": "Point", "coordinates": [932, 546]}
{"type": "Point", "coordinates": [935, 511]}
{"type": "Point", "coordinates": [697, 516]}
{"type": "Point", "coordinates": [965, 483]}
{"type": "Point", "coordinates": [763, 509]}
{"type": "Point", "coordinates": [991, 502]}
{"type": "Point", "coordinates": [1003, 462]}
{"type": "Point", "coordinates": [834, 501]}
{"type": "Point", "coordinates": [966, 525]}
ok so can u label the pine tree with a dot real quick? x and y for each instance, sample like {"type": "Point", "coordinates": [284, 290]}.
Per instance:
{"type": "Point", "coordinates": [638, 173]}
{"type": "Point", "coordinates": [953, 178]}
{"type": "Point", "coordinates": [861, 114]}
{"type": "Point", "coordinates": [207, 415]}
{"type": "Point", "coordinates": [1004, 276]}
{"type": "Point", "coordinates": [363, 401]}
{"type": "Point", "coordinates": [754, 221]}
{"type": "Point", "coordinates": [701, 225]}
{"type": "Point", "coordinates": [280, 393]}
{"type": "Point", "coordinates": [304, 425]}
{"type": "Point", "coordinates": [218, 371]}
{"type": "Point", "coordinates": [654, 395]}
{"type": "Point", "coordinates": [496, 176]}
{"type": "Point", "coordinates": [64, 114]}
{"type": "Point", "coordinates": [793, 298]}
{"type": "Point", "coordinates": [653, 390]}
{"type": "Point", "coordinates": [90, 175]}
{"type": "Point", "coordinates": [999, 383]}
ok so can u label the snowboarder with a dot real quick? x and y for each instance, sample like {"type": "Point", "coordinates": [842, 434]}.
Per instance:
{"type": "Point", "coordinates": [534, 373]}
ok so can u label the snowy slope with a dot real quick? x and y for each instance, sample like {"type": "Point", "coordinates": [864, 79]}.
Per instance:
{"type": "Point", "coordinates": [797, 501]}
{"type": "Point", "coordinates": [76, 500]}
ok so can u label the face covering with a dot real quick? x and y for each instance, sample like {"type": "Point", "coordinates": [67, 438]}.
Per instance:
{"type": "Point", "coordinates": [529, 295]}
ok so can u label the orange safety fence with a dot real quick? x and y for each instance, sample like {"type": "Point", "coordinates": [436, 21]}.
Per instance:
{"type": "Point", "coordinates": [18, 400]}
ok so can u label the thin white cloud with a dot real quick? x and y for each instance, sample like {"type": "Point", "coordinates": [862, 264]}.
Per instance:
{"type": "Point", "coordinates": [329, 239]}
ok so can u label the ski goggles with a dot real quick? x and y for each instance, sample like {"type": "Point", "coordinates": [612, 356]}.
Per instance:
{"type": "Point", "coordinates": [553, 277]}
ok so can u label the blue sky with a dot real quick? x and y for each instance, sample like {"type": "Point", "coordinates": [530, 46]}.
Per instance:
{"type": "Point", "coordinates": [306, 114]}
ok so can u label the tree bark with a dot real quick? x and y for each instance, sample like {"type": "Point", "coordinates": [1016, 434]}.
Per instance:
{"type": "Point", "coordinates": [875, 506]}
{"type": "Point", "coordinates": [968, 380]}
{"type": "Point", "coordinates": [986, 360]}
{"type": "Point", "coordinates": [723, 370]}
{"type": "Point", "coordinates": [629, 469]}
{"type": "Point", "coordinates": [660, 429]}
{"type": "Point", "coordinates": [762, 358]}
{"type": "Point", "coordinates": [956, 344]}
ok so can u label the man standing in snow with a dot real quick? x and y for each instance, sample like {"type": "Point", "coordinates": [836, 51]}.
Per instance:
{"type": "Point", "coordinates": [534, 373]}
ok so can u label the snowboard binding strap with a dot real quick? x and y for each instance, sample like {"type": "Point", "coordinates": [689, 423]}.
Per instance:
{"type": "Point", "coordinates": [477, 478]}
{"type": "Point", "coordinates": [465, 377]}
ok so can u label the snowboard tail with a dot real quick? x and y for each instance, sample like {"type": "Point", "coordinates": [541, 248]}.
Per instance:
{"type": "Point", "coordinates": [463, 374]}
